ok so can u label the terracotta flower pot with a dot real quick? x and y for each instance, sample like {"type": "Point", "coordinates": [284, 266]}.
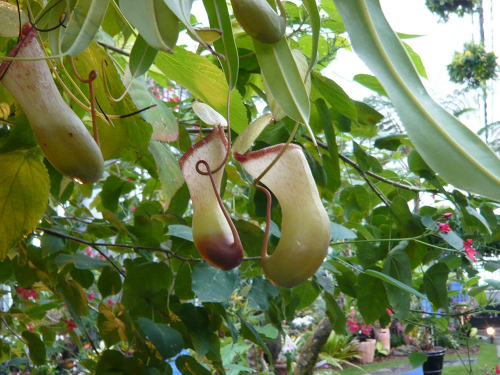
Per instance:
{"type": "Point", "coordinates": [367, 351]}
{"type": "Point", "coordinates": [384, 336]}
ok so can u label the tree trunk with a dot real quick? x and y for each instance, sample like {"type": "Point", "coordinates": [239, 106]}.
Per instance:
{"type": "Point", "coordinates": [310, 351]}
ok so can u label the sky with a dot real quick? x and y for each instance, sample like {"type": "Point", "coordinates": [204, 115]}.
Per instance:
{"type": "Point", "coordinates": [436, 47]}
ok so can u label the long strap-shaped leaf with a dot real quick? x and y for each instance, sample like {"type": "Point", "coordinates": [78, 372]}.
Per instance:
{"type": "Point", "coordinates": [284, 80]}
{"type": "Point", "coordinates": [447, 145]}
{"type": "Point", "coordinates": [218, 16]}
{"type": "Point", "coordinates": [315, 20]}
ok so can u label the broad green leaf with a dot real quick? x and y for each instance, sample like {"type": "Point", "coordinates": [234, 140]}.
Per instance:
{"type": "Point", "coordinates": [315, 22]}
{"type": "Point", "coordinates": [250, 333]}
{"type": "Point", "coordinates": [260, 293]}
{"type": "Point", "coordinates": [111, 329]}
{"type": "Point", "coordinates": [74, 296]}
{"type": "Point", "coordinates": [308, 292]}
{"type": "Point", "coordinates": [205, 81]}
{"type": "Point", "coordinates": [393, 281]}
{"type": "Point", "coordinates": [111, 362]}
{"type": "Point", "coordinates": [36, 348]}
{"type": "Point", "coordinates": [284, 80]}
{"type": "Point", "coordinates": [187, 365]}
{"type": "Point", "coordinates": [142, 57]}
{"type": "Point", "coordinates": [157, 24]}
{"type": "Point", "coordinates": [169, 172]}
{"type": "Point", "coordinates": [181, 231]}
{"type": "Point", "coordinates": [370, 82]}
{"type": "Point", "coordinates": [417, 359]}
{"type": "Point", "coordinates": [196, 320]}
{"type": "Point", "coordinates": [24, 193]}
{"type": "Point", "coordinates": [339, 232]}
{"type": "Point", "coordinates": [417, 61]}
{"type": "Point", "coordinates": [211, 284]}
{"type": "Point", "coordinates": [166, 340]}
{"type": "Point", "coordinates": [372, 298]}
{"type": "Point", "coordinates": [83, 24]}
{"type": "Point", "coordinates": [335, 96]}
{"type": "Point", "coordinates": [131, 131]}
{"type": "Point", "coordinates": [335, 314]}
{"type": "Point", "coordinates": [442, 140]}
{"type": "Point", "coordinates": [397, 266]}
{"type": "Point", "coordinates": [110, 282]}
{"type": "Point", "coordinates": [164, 123]}
{"type": "Point", "coordinates": [218, 16]}
{"type": "Point", "coordinates": [81, 261]}
{"type": "Point", "coordinates": [435, 279]}
{"type": "Point", "coordinates": [144, 281]}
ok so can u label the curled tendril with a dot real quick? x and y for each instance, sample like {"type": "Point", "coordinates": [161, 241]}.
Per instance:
{"type": "Point", "coordinates": [108, 92]}
{"type": "Point", "coordinates": [62, 18]}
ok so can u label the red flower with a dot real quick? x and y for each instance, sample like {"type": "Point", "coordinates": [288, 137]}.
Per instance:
{"type": "Point", "coordinates": [30, 327]}
{"type": "Point", "coordinates": [90, 296]}
{"type": "Point", "coordinates": [89, 252]}
{"type": "Point", "coordinates": [27, 293]}
{"type": "Point", "coordinates": [444, 227]}
{"type": "Point", "coordinates": [110, 303]}
{"type": "Point", "coordinates": [497, 369]}
{"type": "Point", "coordinates": [469, 250]}
{"type": "Point", "coordinates": [70, 324]}
{"type": "Point", "coordinates": [448, 215]}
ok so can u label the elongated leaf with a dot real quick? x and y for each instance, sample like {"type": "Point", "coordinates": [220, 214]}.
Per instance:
{"type": "Point", "coordinates": [36, 347]}
{"type": "Point", "coordinates": [82, 26]}
{"type": "Point", "coordinates": [335, 96]}
{"type": "Point", "coordinates": [24, 192]}
{"type": "Point", "coordinates": [142, 56]}
{"type": "Point", "coordinates": [390, 280]}
{"type": "Point", "coordinates": [167, 340]}
{"type": "Point", "coordinates": [442, 140]}
{"type": "Point", "coordinates": [187, 365]}
{"type": "Point", "coordinates": [435, 279]}
{"type": "Point", "coordinates": [205, 81]}
{"type": "Point", "coordinates": [250, 333]}
{"type": "Point", "coordinates": [335, 314]}
{"type": "Point", "coordinates": [218, 15]}
{"type": "Point", "coordinates": [182, 9]}
{"type": "Point", "coordinates": [284, 80]}
{"type": "Point", "coordinates": [315, 22]}
{"type": "Point", "coordinates": [372, 299]}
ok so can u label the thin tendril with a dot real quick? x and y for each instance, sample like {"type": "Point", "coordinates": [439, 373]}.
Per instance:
{"type": "Point", "coordinates": [108, 92]}
{"type": "Point", "coordinates": [236, 237]}
{"type": "Point", "coordinates": [64, 16]}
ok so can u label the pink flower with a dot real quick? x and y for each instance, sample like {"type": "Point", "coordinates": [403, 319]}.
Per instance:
{"type": "Point", "coordinates": [174, 99]}
{"type": "Point", "coordinates": [389, 311]}
{"type": "Point", "coordinates": [27, 293]}
{"type": "Point", "coordinates": [30, 327]}
{"type": "Point", "coordinates": [89, 252]}
{"type": "Point", "coordinates": [87, 346]}
{"type": "Point", "coordinates": [133, 209]}
{"type": "Point", "coordinates": [110, 303]}
{"type": "Point", "coordinates": [469, 250]}
{"type": "Point", "coordinates": [70, 324]}
{"type": "Point", "coordinates": [90, 296]}
{"type": "Point", "coordinates": [130, 179]}
{"type": "Point", "coordinates": [444, 227]}
{"type": "Point", "coordinates": [497, 369]}
{"type": "Point", "coordinates": [448, 215]}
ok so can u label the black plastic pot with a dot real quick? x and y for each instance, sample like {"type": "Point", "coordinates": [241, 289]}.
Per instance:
{"type": "Point", "coordinates": [434, 363]}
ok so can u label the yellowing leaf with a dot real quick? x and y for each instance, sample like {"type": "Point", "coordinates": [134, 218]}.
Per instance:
{"type": "Point", "coordinates": [24, 191]}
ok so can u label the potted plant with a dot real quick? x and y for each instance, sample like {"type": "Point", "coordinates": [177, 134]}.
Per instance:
{"type": "Point", "coordinates": [433, 365]}
{"type": "Point", "coordinates": [474, 66]}
{"type": "Point", "coordinates": [366, 346]}
{"type": "Point", "coordinates": [444, 8]}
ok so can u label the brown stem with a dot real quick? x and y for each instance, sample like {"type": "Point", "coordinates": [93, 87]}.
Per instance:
{"type": "Point", "coordinates": [236, 236]}
{"type": "Point", "coordinates": [313, 346]}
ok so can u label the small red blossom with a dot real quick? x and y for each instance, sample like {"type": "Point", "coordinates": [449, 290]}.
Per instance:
{"type": "Point", "coordinates": [27, 293]}
{"type": "Point", "coordinates": [90, 296]}
{"type": "Point", "coordinates": [469, 250]}
{"type": "Point", "coordinates": [389, 311]}
{"type": "Point", "coordinates": [89, 252]}
{"type": "Point", "coordinates": [110, 303]}
{"type": "Point", "coordinates": [444, 227]}
{"type": "Point", "coordinates": [174, 99]}
{"type": "Point", "coordinates": [70, 324]}
{"type": "Point", "coordinates": [101, 256]}
{"type": "Point", "coordinates": [30, 327]}
{"type": "Point", "coordinates": [87, 346]}
{"type": "Point", "coordinates": [130, 179]}
{"type": "Point", "coordinates": [133, 209]}
{"type": "Point", "coordinates": [448, 215]}
{"type": "Point", "coordinates": [497, 369]}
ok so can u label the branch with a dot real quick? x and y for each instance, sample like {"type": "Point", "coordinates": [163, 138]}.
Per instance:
{"type": "Point", "coordinates": [149, 248]}
{"type": "Point", "coordinates": [371, 174]}
{"type": "Point", "coordinates": [114, 49]}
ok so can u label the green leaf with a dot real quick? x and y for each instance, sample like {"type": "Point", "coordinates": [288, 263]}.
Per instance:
{"type": "Point", "coordinates": [198, 326]}
{"type": "Point", "coordinates": [142, 57]}
{"type": "Point", "coordinates": [372, 299]}
{"type": "Point", "coordinates": [110, 282]}
{"type": "Point", "coordinates": [111, 362]}
{"type": "Point", "coordinates": [111, 329]}
{"type": "Point", "coordinates": [435, 279]}
{"type": "Point", "coordinates": [370, 82]}
{"type": "Point", "coordinates": [335, 314]}
{"type": "Point", "coordinates": [339, 232]}
{"type": "Point", "coordinates": [335, 96]}
{"type": "Point", "coordinates": [211, 284]}
{"type": "Point", "coordinates": [24, 193]}
{"type": "Point", "coordinates": [315, 22]}
{"type": "Point", "coordinates": [218, 16]}
{"type": "Point", "coordinates": [205, 81]}
{"type": "Point", "coordinates": [283, 78]}
{"type": "Point", "coordinates": [397, 266]}
{"type": "Point", "coordinates": [442, 140]}
{"type": "Point", "coordinates": [187, 365]}
{"type": "Point", "coordinates": [417, 359]}
{"type": "Point", "coordinates": [166, 340]}
{"type": "Point", "coordinates": [250, 333]}
{"type": "Point", "coordinates": [308, 292]}
{"type": "Point", "coordinates": [260, 293]}
{"type": "Point", "coordinates": [181, 231]}
{"type": "Point", "coordinates": [82, 262]}
{"type": "Point", "coordinates": [416, 60]}
{"type": "Point", "coordinates": [144, 281]}
{"type": "Point", "coordinates": [164, 123]}
{"type": "Point", "coordinates": [393, 281]}
{"type": "Point", "coordinates": [169, 172]}
{"type": "Point", "coordinates": [36, 348]}
{"type": "Point", "coordinates": [83, 24]}
{"type": "Point", "coordinates": [74, 296]}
